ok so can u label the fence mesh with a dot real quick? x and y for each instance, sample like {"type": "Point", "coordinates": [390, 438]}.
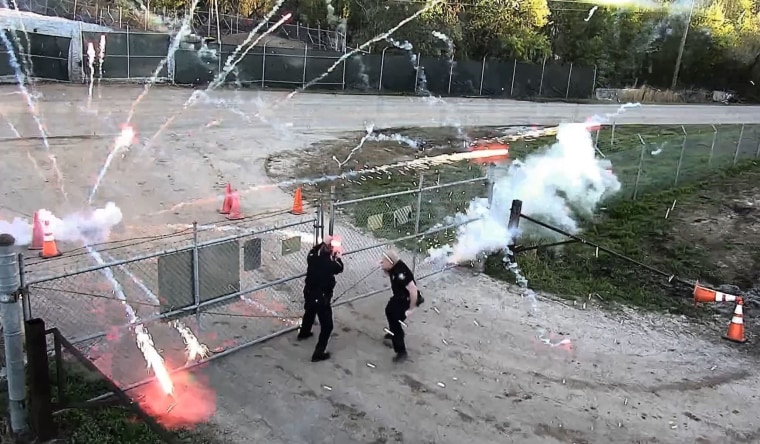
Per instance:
{"type": "Point", "coordinates": [673, 155]}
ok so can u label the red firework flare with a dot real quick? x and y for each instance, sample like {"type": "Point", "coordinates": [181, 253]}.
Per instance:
{"type": "Point", "coordinates": [490, 146]}
{"type": "Point", "coordinates": [192, 403]}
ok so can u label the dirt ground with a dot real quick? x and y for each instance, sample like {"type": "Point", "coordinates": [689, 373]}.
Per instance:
{"type": "Point", "coordinates": [481, 370]}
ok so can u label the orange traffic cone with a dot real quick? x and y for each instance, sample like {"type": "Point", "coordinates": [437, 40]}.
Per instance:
{"type": "Point", "coordinates": [706, 295]}
{"type": "Point", "coordinates": [227, 204]}
{"type": "Point", "coordinates": [297, 203]}
{"type": "Point", "coordinates": [234, 211]}
{"type": "Point", "coordinates": [49, 248]}
{"type": "Point", "coordinates": [37, 233]}
{"type": "Point", "coordinates": [736, 326]}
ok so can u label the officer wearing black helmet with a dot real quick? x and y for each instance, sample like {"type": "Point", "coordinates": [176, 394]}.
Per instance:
{"type": "Point", "coordinates": [323, 263]}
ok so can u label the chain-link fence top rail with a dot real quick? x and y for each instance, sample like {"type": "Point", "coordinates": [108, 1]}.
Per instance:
{"type": "Point", "coordinates": [49, 55]}
{"type": "Point", "coordinates": [647, 160]}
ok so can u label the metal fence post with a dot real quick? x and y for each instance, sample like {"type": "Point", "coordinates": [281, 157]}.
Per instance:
{"type": "Point", "coordinates": [417, 70]}
{"type": "Point", "coordinates": [305, 55]}
{"type": "Point", "coordinates": [331, 223]}
{"type": "Point", "coordinates": [612, 136]}
{"type": "Point", "coordinates": [757, 153]}
{"type": "Point", "coordinates": [264, 66]}
{"type": "Point", "coordinates": [417, 218]}
{"type": "Point", "coordinates": [514, 71]}
{"type": "Point", "coordinates": [482, 75]}
{"type": "Point", "coordinates": [490, 182]}
{"type": "Point", "coordinates": [712, 146]}
{"type": "Point", "coordinates": [569, 76]}
{"type": "Point", "coordinates": [26, 305]}
{"type": "Point", "coordinates": [738, 144]}
{"type": "Point", "coordinates": [344, 75]}
{"type": "Point", "coordinates": [641, 166]}
{"type": "Point", "coordinates": [680, 157]}
{"type": "Point", "coordinates": [196, 276]}
{"type": "Point", "coordinates": [541, 83]}
{"type": "Point", "coordinates": [593, 82]}
{"type": "Point", "coordinates": [451, 74]}
{"type": "Point", "coordinates": [382, 65]}
{"type": "Point", "coordinates": [128, 74]}
{"type": "Point", "coordinates": [12, 333]}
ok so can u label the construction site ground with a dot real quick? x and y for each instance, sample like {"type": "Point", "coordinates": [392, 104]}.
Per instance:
{"type": "Point", "coordinates": [485, 367]}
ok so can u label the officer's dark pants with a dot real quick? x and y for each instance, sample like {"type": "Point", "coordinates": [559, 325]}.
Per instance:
{"type": "Point", "coordinates": [318, 307]}
{"type": "Point", "coordinates": [395, 312]}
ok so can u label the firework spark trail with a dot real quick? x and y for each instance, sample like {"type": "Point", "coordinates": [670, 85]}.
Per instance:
{"type": "Point", "coordinates": [91, 65]}
{"type": "Point", "coordinates": [28, 152]}
{"type": "Point", "coordinates": [421, 163]}
{"type": "Point", "coordinates": [363, 47]}
{"type": "Point", "coordinates": [219, 79]}
{"type": "Point", "coordinates": [142, 337]}
{"type": "Point", "coordinates": [123, 140]}
{"type": "Point", "coordinates": [370, 128]}
{"type": "Point", "coordinates": [101, 59]}
{"type": "Point", "coordinates": [27, 54]}
{"type": "Point", "coordinates": [194, 347]}
{"type": "Point", "coordinates": [20, 78]}
{"type": "Point", "coordinates": [184, 31]}
{"type": "Point", "coordinates": [229, 65]}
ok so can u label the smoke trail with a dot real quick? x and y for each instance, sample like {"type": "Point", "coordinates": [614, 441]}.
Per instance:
{"type": "Point", "coordinates": [369, 127]}
{"type": "Point", "coordinates": [219, 79]}
{"type": "Point", "coordinates": [91, 65]}
{"type": "Point", "coordinates": [183, 32]}
{"type": "Point", "coordinates": [26, 54]}
{"type": "Point", "coordinates": [21, 78]}
{"type": "Point", "coordinates": [420, 70]}
{"type": "Point", "coordinates": [363, 47]}
{"type": "Point", "coordinates": [231, 60]}
{"type": "Point", "coordinates": [101, 59]}
{"type": "Point", "coordinates": [142, 336]}
{"type": "Point", "coordinates": [591, 13]}
{"type": "Point", "coordinates": [123, 140]}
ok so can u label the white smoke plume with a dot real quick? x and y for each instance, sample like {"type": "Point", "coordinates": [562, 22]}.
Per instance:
{"type": "Point", "coordinates": [87, 227]}
{"type": "Point", "coordinates": [554, 185]}
{"type": "Point", "coordinates": [399, 138]}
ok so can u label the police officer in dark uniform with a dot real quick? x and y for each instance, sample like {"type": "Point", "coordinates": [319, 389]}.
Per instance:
{"type": "Point", "coordinates": [405, 295]}
{"type": "Point", "coordinates": [323, 263]}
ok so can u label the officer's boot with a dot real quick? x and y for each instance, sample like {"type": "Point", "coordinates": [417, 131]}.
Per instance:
{"type": "Point", "coordinates": [320, 355]}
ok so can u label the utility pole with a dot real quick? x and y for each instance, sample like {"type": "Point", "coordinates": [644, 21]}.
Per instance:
{"type": "Point", "coordinates": [10, 311]}
{"type": "Point", "coordinates": [681, 48]}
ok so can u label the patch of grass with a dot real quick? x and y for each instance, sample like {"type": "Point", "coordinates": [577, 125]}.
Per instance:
{"type": "Point", "coordinates": [101, 425]}
{"type": "Point", "coordinates": [639, 230]}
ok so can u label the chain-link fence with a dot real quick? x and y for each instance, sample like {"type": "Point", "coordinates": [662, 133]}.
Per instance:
{"type": "Point", "coordinates": [230, 284]}
{"type": "Point", "coordinates": [46, 55]}
{"type": "Point", "coordinates": [669, 156]}
{"type": "Point", "coordinates": [204, 22]}
{"type": "Point", "coordinates": [126, 55]}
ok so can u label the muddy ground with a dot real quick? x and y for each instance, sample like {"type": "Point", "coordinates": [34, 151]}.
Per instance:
{"type": "Point", "coordinates": [631, 379]}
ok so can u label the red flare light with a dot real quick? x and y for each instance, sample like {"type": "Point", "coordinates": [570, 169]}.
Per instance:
{"type": "Point", "coordinates": [593, 125]}
{"type": "Point", "coordinates": [192, 403]}
{"type": "Point", "coordinates": [490, 146]}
